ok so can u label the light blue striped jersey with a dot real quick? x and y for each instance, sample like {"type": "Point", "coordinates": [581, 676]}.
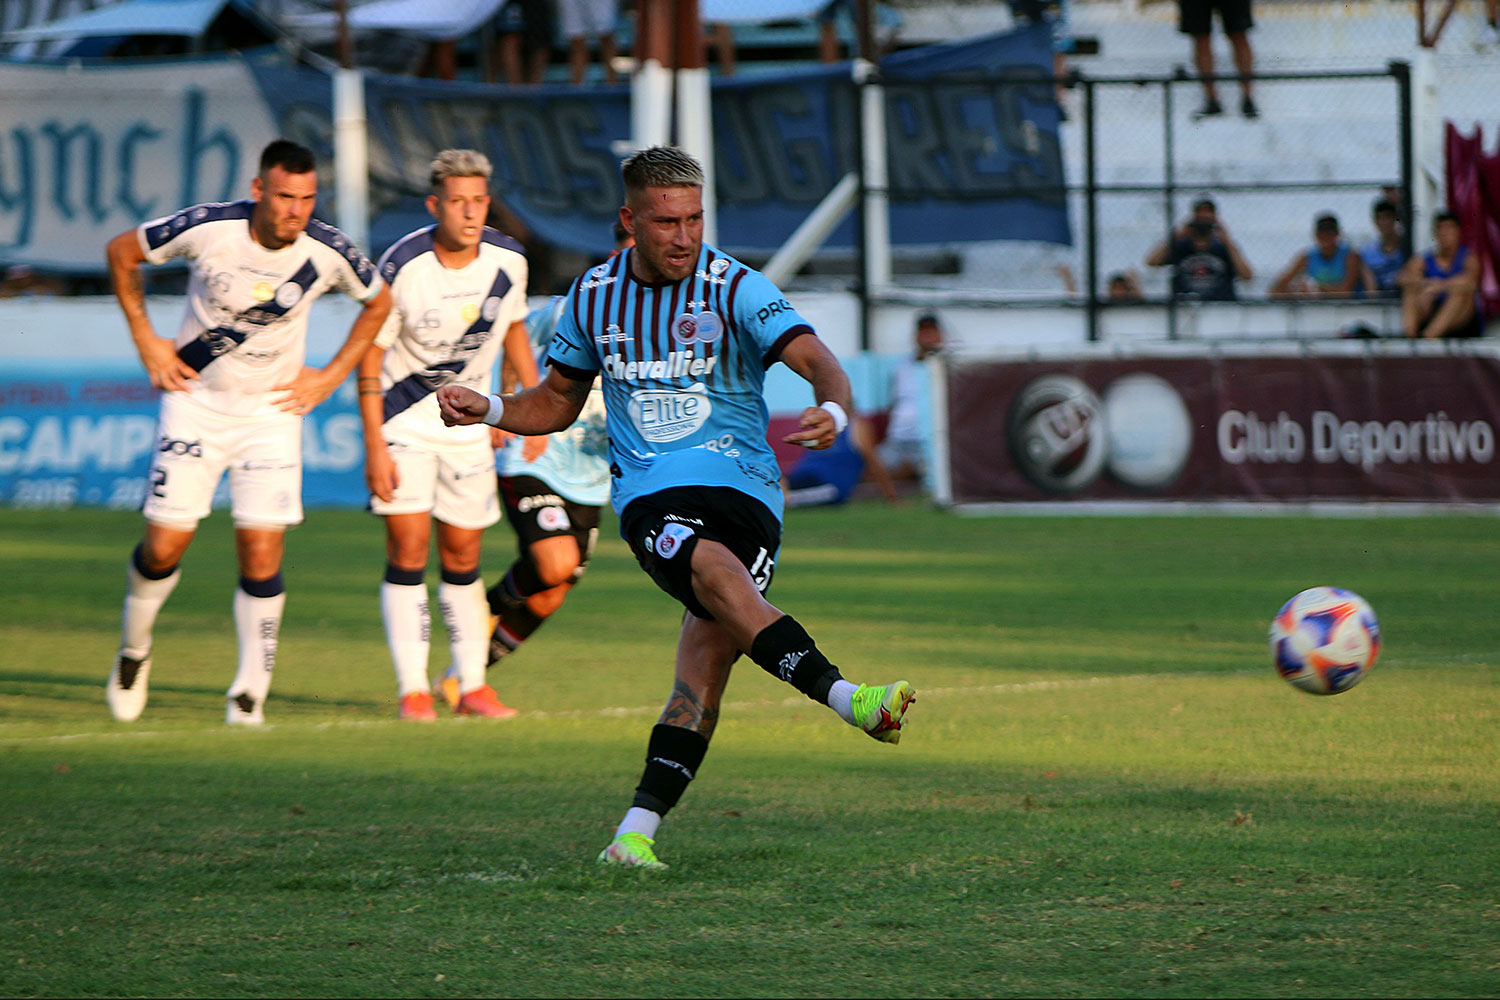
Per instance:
{"type": "Point", "coordinates": [683, 366]}
{"type": "Point", "coordinates": [576, 462]}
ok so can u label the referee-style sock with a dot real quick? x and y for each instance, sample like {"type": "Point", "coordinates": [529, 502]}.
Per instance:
{"type": "Point", "coordinates": [408, 626]}
{"type": "Point", "coordinates": [257, 618]}
{"type": "Point", "coordinates": [145, 593]}
{"type": "Point", "coordinates": [461, 598]}
{"type": "Point", "coordinates": [785, 650]}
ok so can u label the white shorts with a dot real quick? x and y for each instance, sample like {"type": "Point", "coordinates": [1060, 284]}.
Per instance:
{"type": "Point", "coordinates": [195, 445]}
{"type": "Point", "coordinates": [588, 18]}
{"type": "Point", "coordinates": [455, 484]}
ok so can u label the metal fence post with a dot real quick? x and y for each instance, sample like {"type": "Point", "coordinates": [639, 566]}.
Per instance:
{"type": "Point", "coordinates": [1091, 195]}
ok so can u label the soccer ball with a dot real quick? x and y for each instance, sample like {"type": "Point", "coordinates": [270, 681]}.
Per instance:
{"type": "Point", "coordinates": [1324, 640]}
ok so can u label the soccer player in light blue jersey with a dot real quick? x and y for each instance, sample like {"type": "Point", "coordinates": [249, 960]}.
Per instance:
{"type": "Point", "coordinates": [682, 335]}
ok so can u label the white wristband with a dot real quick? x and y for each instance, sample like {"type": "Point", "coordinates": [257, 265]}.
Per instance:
{"type": "Point", "coordinates": [840, 418]}
{"type": "Point", "coordinates": [497, 408]}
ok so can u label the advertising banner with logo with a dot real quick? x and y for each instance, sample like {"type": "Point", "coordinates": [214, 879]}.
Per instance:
{"type": "Point", "coordinates": [1401, 423]}
{"type": "Point", "coordinates": [89, 440]}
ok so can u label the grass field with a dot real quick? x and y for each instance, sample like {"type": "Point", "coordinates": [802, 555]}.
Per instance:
{"type": "Point", "coordinates": [1104, 791]}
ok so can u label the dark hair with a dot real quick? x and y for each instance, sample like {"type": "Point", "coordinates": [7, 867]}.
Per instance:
{"type": "Point", "coordinates": [289, 156]}
{"type": "Point", "coordinates": [1207, 203]}
{"type": "Point", "coordinates": [1384, 205]}
{"type": "Point", "coordinates": [1327, 223]}
{"type": "Point", "coordinates": [1443, 216]}
{"type": "Point", "coordinates": [927, 319]}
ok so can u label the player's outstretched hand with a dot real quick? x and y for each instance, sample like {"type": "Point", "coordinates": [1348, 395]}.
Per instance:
{"type": "Point", "coordinates": [308, 389]}
{"type": "Point", "coordinates": [460, 405]}
{"type": "Point", "coordinates": [818, 429]}
{"type": "Point", "coordinates": [168, 372]}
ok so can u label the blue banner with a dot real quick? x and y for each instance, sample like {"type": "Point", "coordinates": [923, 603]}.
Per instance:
{"type": "Point", "coordinates": [71, 439]}
{"type": "Point", "coordinates": [972, 126]}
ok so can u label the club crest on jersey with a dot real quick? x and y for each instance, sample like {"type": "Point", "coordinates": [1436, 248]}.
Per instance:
{"type": "Point", "coordinates": [671, 538]}
{"type": "Point", "coordinates": [670, 414]}
{"type": "Point", "coordinates": [263, 291]}
{"type": "Point", "coordinates": [693, 328]}
{"type": "Point", "coordinates": [288, 295]}
{"type": "Point", "coordinates": [491, 308]}
{"type": "Point", "coordinates": [718, 266]}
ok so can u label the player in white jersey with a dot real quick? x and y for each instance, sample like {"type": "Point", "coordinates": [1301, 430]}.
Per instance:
{"type": "Point", "coordinates": [234, 392]}
{"type": "Point", "coordinates": [683, 334]}
{"type": "Point", "coordinates": [552, 488]}
{"type": "Point", "coordinates": [458, 293]}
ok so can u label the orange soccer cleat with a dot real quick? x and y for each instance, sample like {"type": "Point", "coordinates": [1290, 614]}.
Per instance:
{"type": "Point", "coordinates": [484, 701]}
{"type": "Point", "coordinates": [417, 707]}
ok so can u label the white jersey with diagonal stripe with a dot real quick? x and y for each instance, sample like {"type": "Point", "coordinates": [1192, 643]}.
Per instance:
{"type": "Point", "coordinates": [446, 326]}
{"type": "Point", "coordinates": [245, 329]}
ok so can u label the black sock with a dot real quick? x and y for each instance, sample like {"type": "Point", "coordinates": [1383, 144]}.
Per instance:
{"type": "Point", "coordinates": [785, 650]}
{"type": "Point", "coordinates": [673, 757]}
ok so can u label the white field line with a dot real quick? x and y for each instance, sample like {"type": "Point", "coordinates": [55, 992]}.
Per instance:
{"type": "Point", "coordinates": [620, 711]}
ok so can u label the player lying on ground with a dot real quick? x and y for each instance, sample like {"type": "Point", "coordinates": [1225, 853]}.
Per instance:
{"type": "Point", "coordinates": [683, 335]}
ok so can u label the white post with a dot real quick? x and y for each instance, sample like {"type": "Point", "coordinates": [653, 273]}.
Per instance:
{"type": "Point", "coordinates": [351, 156]}
{"type": "Point", "coordinates": [695, 134]}
{"type": "Point", "coordinates": [650, 105]}
{"type": "Point", "coordinates": [802, 244]}
{"type": "Point", "coordinates": [1427, 145]}
{"type": "Point", "coordinates": [877, 218]}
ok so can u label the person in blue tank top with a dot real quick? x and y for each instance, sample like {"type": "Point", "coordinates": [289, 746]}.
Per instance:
{"type": "Point", "coordinates": [682, 335]}
{"type": "Point", "coordinates": [1440, 288]}
{"type": "Point", "coordinates": [1385, 254]}
{"type": "Point", "coordinates": [1329, 269]}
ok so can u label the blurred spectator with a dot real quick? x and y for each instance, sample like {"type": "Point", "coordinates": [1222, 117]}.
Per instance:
{"type": "Point", "coordinates": [525, 29]}
{"type": "Point", "coordinates": [1205, 261]}
{"type": "Point", "coordinates": [21, 279]}
{"type": "Point", "coordinates": [1489, 35]}
{"type": "Point", "coordinates": [904, 450]}
{"type": "Point", "coordinates": [1439, 288]}
{"type": "Point", "coordinates": [1196, 18]}
{"type": "Point", "coordinates": [1384, 256]}
{"type": "Point", "coordinates": [830, 476]}
{"type": "Point", "coordinates": [585, 19]}
{"type": "Point", "coordinates": [1329, 269]}
{"type": "Point", "coordinates": [1124, 286]}
{"type": "Point", "coordinates": [1054, 14]}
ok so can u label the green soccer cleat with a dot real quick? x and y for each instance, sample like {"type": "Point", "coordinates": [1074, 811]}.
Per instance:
{"type": "Point", "coordinates": [630, 850]}
{"type": "Point", "coordinates": [881, 711]}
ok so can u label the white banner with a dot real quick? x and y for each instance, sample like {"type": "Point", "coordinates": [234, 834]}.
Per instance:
{"type": "Point", "coordinates": [87, 154]}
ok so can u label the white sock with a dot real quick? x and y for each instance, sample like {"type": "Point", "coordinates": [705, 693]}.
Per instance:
{"type": "Point", "coordinates": [638, 820]}
{"type": "Point", "coordinates": [841, 699]}
{"type": "Point", "coordinates": [257, 620]}
{"type": "Point", "coordinates": [408, 631]}
{"type": "Point", "coordinates": [143, 600]}
{"type": "Point", "coordinates": [466, 612]}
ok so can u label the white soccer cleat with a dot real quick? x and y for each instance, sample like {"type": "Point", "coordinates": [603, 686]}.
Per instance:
{"type": "Point", "coordinates": [125, 691]}
{"type": "Point", "coordinates": [245, 711]}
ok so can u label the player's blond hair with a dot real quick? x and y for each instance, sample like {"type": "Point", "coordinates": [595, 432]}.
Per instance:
{"type": "Point", "coordinates": [660, 166]}
{"type": "Point", "coordinates": [459, 163]}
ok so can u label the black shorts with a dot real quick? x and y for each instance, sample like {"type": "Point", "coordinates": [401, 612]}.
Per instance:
{"type": "Point", "coordinates": [536, 512]}
{"type": "Point", "coordinates": [1196, 17]}
{"type": "Point", "coordinates": [663, 528]}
